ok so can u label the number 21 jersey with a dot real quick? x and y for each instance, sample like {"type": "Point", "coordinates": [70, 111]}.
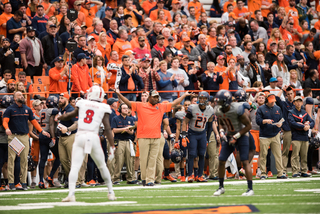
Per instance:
{"type": "Point", "coordinates": [199, 118]}
{"type": "Point", "coordinates": [91, 114]}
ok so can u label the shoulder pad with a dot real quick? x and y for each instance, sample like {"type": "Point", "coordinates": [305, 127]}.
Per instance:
{"type": "Point", "coordinates": [246, 105]}
{"type": "Point", "coordinates": [180, 115]}
{"type": "Point", "coordinates": [55, 111]}
{"type": "Point", "coordinates": [309, 100]}
{"type": "Point", "coordinates": [107, 108]}
{"type": "Point", "coordinates": [240, 109]}
{"type": "Point", "coordinates": [78, 103]}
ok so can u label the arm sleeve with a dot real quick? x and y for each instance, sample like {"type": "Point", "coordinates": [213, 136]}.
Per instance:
{"type": "Point", "coordinates": [259, 117]}
{"type": "Point", "coordinates": [53, 75]}
{"type": "Point", "coordinates": [36, 125]}
{"type": "Point", "coordinates": [5, 122]}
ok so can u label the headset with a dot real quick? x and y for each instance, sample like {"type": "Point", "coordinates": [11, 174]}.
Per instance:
{"type": "Point", "coordinates": [120, 107]}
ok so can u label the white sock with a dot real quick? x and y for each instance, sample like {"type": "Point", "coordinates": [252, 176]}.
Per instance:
{"type": "Point", "coordinates": [136, 172]}
{"type": "Point", "coordinates": [34, 178]}
{"type": "Point", "coordinates": [55, 179]}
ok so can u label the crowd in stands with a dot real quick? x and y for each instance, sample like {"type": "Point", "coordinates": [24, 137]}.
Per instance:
{"type": "Point", "coordinates": [165, 45]}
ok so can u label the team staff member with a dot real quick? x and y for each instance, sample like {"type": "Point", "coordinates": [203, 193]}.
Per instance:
{"type": "Point", "coordinates": [150, 116]}
{"type": "Point", "coordinates": [15, 121]}
{"type": "Point", "coordinates": [286, 106]}
{"type": "Point", "coordinates": [58, 76]}
{"type": "Point", "coordinates": [300, 122]}
{"type": "Point", "coordinates": [65, 140]}
{"type": "Point", "coordinates": [120, 127]}
{"type": "Point", "coordinates": [269, 134]}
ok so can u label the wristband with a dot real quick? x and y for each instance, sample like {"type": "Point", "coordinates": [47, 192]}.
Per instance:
{"type": "Point", "coordinates": [237, 136]}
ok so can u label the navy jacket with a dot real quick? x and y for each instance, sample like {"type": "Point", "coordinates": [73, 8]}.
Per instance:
{"type": "Point", "coordinates": [123, 86]}
{"type": "Point", "coordinates": [68, 123]}
{"type": "Point", "coordinates": [121, 122]}
{"type": "Point", "coordinates": [296, 120]}
{"type": "Point", "coordinates": [285, 106]}
{"type": "Point", "coordinates": [211, 83]}
{"type": "Point", "coordinates": [265, 112]}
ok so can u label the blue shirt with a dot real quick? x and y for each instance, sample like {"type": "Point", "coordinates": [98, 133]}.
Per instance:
{"type": "Point", "coordinates": [296, 120]}
{"type": "Point", "coordinates": [121, 122]}
{"type": "Point", "coordinates": [39, 24]}
{"type": "Point", "coordinates": [274, 114]}
{"type": "Point", "coordinates": [165, 84]}
{"type": "Point", "coordinates": [112, 115]}
{"type": "Point", "coordinates": [68, 123]}
{"type": "Point", "coordinates": [285, 107]}
{"type": "Point", "coordinates": [19, 117]}
{"type": "Point", "coordinates": [12, 24]}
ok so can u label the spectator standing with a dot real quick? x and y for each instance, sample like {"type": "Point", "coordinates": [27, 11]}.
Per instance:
{"type": "Point", "coordinates": [205, 51]}
{"type": "Point", "coordinates": [180, 76]}
{"type": "Point", "coordinates": [46, 32]}
{"type": "Point", "coordinates": [80, 75]}
{"type": "Point", "coordinates": [159, 48]}
{"type": "Point", "coordinates": [10, 88]}
{"type": "Point", "coordinates": [106, 20]}
{"type": "Point", "coordinates": [112, 33]}
{"type": "Point", "coordinates": [160, 6]}
{"type": "Point", "coordinates": [4, 18]}
{"type": "Point", "coordinates": [27, 85]}
{"type": "Point", "coordinates": [141, 51]}
{"type": "Point", "coordinates": [300, 122]}
{"type": "Point", "coordinates": [259, 33]}
{"type": "Point", "coordinates": [122, 44]}
{"type": "Point", "coordinates": [58, 76]}
{"type": "Point", "coordinates": [39, 21]}
{"type": "Point", "coordinates": [191, 52]}
{"type": "Point", "coordinates": [52, 46]}
{"type": "Point", "coordinates": [304, 12]}
{"type": "Point", "coordinates": [32, 58]}
{"type": "Point", "coordinates": [279, 68]}
{"type": "Point", "coordinates": [7, 57]}
{"type": "Point", "coordinates": [197, 7]}
{"type": "Point", "coordinates": [191, 70]}
{"type": "Point", "coordinates": [285, 29]}
{"type": "Point", "coordinates": [270, 134]}
{"type": "Point", "coordinates": [14, 25]}
{"type": "Point", "coordinates": [104, 47]}
{"type": "Point", "coordinates": [271, 56]}
{"type": "Point", "coordinates": [81, 20]}
{"type": "Point", "coordinates": [290, 59]}
{"type": "Point", "coordinates": [211, 80]}
{"type": "Point", "coordinates": [90, 12]}
{"type": "Point", "coordinates": [220, 46]}
{"type": "Point", "coordinates": [136, 16]}
{"type": "Point", "coordinates": [155, 33]}
{"type": "Point", "coordinates": [15, 122]}
{"type": "Point", "coordinates": [148, 74]}
{"type": "Point", "coordinates": [167, 82]}
{"type": "Point", "coordinates": [99, 72]}
{"type": "Point", "coordinates": [82, 47]}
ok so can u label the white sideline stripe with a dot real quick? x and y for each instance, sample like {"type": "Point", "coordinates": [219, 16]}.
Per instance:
{"type": "Point", "coordinates": [30, 206]}
{"type": "Point", "coordinates": [307, 190]}
{"type": "Point", "coordinates": [191, 185]}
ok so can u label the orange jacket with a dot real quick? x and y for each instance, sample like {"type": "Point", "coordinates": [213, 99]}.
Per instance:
{"type": "Point", "coordinates": [121, 47]}
{"type": "Point", "coordinates": [104, 51]}
{"type": "Point", "coordinates": [57, 83]}
{"type": "Point", "coordinates": [80, 78]}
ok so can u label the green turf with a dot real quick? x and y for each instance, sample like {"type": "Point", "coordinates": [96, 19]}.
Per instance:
{"type": "Point", "coordinates": [269, 198]}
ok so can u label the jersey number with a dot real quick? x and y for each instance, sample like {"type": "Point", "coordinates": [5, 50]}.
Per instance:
{"type": "Point", "coordinates": [42, 118]}
{"type": "Point", "coordinates": [228, 123]}
{"type": "Point", "coordinates": [199, 120]}
{"type": "Point", "coordinates": [88, 118]}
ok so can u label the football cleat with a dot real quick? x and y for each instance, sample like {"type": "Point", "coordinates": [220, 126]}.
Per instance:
{"type": "Point", "coordinates": [57, 184]}
{"type": "Point", "coordinates": [69, 199]}
{"type": "Point", "coordinates": [111, 197]}
{"type": "Point", "coordinates": [242, 172]}
{"type": "Point", "coordinates": [190, 179]}
{"type": "Point", "coordinates": [50, 181]}
{"type": "Point", "coordinates": [219, 191]}
{"type": "Point", "coordinates": [314, 172]}
{"type": "Point", "coordinates": [169, 178]}
{"type": "Point", "coordinates": [263, 178]}
{"type": "Point", "coordinates": [33, 185]}
{"type": "Point", "coordinates": [18, 186]}
{"type": "Point", "coordinates": [270, 175]}
{"type": "Point", "coordinates": [92, 183]}
{"type": "Point", "coordinates": [282, 177]}
{"type": "Point", "coordinates": [84, 184]}
{"type": "Point", "coordinates": [201, 179]}
{"type": "Point", "coordinates": [12, 187]}
{"type": "Point", "coordinates": [296, 175]}
{"type": "Point", "coordinates": [42, 186]}
{"type": "Point", "coordinates": [3, 188]}
{"type": "Point", "coordinates": [305, 175]}
{"type": "Point", "coordinates": [248, 193]}
{"type": "Point", "coordinates": [182, 178]}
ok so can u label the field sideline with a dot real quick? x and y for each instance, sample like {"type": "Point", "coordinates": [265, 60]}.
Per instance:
{"type": "Point", "coordinates": [300, 195]}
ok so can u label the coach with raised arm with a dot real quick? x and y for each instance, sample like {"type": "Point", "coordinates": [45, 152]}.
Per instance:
{"type": "Point", "coordinates": [150, 116]}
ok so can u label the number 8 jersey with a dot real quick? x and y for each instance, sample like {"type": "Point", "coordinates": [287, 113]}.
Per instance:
{"type": "Point", "coordinates": [231, 117]}
{"type": "Point", "coordinates": [199, 117]}
{"type": "Point", "coordinates": [91, 114]}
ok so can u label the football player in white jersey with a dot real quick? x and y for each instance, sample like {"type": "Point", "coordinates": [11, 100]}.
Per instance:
{"type": "Point", "coordinates": [91, 113]}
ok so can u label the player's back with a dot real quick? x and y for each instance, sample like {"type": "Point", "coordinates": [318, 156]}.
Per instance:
{"type": "Point", "coordinates": [231, 118]}
{"type": "Point", "coordinates": [91, 114]}
{"type": "Point", "coordinates": [199, 117]}
{"type": "Point", "coordinates": [45, 115]}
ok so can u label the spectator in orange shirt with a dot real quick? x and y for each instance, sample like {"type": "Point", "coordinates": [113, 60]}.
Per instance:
{"type": "Point", "coordinates": [136, 16]}
{"type": "Point", "coordinates": [58, 76]}
{"type": "Point", "coordinates": [160, 6]}
{"type": "Point", "coordinates": [104, 47]}
{"type": "Point", "coordinates": [147, 5]}
{"type": "Point", "coordinates": [135, 43]}
{"type": "Point", "coordinates": [98, 28]}
{"type": "Point", "coordinates": [161, 18]}
{"type": "Point", "coordinates": [99, 72]}
{"type": "Point", "coordinates": [81, 20]}
{"type": "Point", "coordinates": [221, 69]}
{"type": "Point", "coordinates": [286, 29]}
{"type": "Point", "coordinates": [122, 45]}
{"type": "Point", "coordinates": [225, 6]}
{"type": "Point", "coordinates": [241, 11]}
{"type": "Point", "coordinates": [212, 37]}
{"type": "Point", "coordinates": [90, 12]}
{"type": "Point", "coordinates": [81, 81]}
{"type": "Point", "coordinates": [63, 12]}
{"type": "Point", "coordinates": [198, 8]}
{"type": "Point", "coordinates": [4, 17]}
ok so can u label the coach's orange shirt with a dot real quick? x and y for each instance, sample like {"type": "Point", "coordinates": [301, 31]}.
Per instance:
{"type": "Point", "coordinates": [225, 83]}
{"type": "Point", "coordinates": [150, 118]}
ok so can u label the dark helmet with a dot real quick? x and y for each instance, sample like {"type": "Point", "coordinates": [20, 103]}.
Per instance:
{"type": "Point", "coordinates": [52, 102]}
{"type": "Point", "coordinates": [6, 101]}
{"type": "Point", "coordinates": [176, 155]}
{"type": "Point", "coordinates": [240, 96]}
{"type": "Point", "coordinates": [204, 94]}
{"type": "Point", "coordinates": [223, 98]}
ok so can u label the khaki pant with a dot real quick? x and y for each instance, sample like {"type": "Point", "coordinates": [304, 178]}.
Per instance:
{"type": "Point", "coordinates": [82, 171]}
{"type": "Point", "coordinates": [302, 148]}
{"type": "Point", "coordinates": [285, 149]}
{"type": "Point", "coordinates": [213, 152]}
{"type": "Point", "coordinates": [24, 139]}
{"type": "Point", "coordinates": [274, 143]}
{"type": "Point", "coordinates": [159, 164]}
{"type": "Point", "coordinates": [65, 150]}
{"type": "Point", "coordinates": [149, 149]}
{"type": "Point", "coordinates": [111, 164]}
{"type": "Point", "coordinates": [122, 155]}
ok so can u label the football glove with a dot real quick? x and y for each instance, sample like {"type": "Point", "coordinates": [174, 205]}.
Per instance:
{"type": "Point", "coordinates": [111, 153]}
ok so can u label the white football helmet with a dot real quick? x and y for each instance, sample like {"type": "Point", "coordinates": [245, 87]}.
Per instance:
{"type": "Point", "coordinates": [95, 93]}
{"type": "Point", "coordinates": [112, 66]}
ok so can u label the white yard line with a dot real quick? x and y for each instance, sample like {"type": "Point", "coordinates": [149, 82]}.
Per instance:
{"type": "Point", "coordinates": [191, 185]}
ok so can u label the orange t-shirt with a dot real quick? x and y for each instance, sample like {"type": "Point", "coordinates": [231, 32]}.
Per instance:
{"type": "Point", "coordinates": [57, 83]}
{"type": "Point", "coordinates": [131, 85]}
{"type": "Point", "coordinates": [198, 8]}
{"type": "Point", "coordinates": [46, 6]}
{"type": "Point", "coordinates": [212, 41]}
{"type": "Point", "coordinates": [154, 15]}
{"type": "Point", "coordinates": [284, 3]}
{"type": "Point", "coordinates": [59, 17]}
{"type": "Point", "coordinates": [241, 12]}
{"type": "Point", "coordinates": [294, 13]}
{"type": "Point", "coordinates": [286, 35]}
{"type": "Point", "coordinates": [225, 6]}
{"type": "Point", "coordinates": [150, 118]}
{"type": "Point", "coordinates": [267, 3]}
{"type": "Point", "coordinates": [135, 22]}
{"type": "Point", "coordinates": [317, 25]}
{"type": "Point", "coordinates": [81, 18]}
{"type": "Point", "coordinates": [97, 78]}
{"type": "Point", "coordinates": [4, 18]}
{"type": "Point", "coordinates": [89, 14]}
{"type": "Point", "coordinates": [225, 83]}
{"type": "Point", "coordinates": [147, 6]}
{"type": "Point", "coordinates": [254, 5]}
{"type": "Point", "coordinates": [121, 47]}
{"type": "Point", "coordinates": [295, 36]}
{"type": "Point", "coordinates": [30, 89]}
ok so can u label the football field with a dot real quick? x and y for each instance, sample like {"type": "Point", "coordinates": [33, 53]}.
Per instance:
{"type": "Point", "coordinates": [300, 195]}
